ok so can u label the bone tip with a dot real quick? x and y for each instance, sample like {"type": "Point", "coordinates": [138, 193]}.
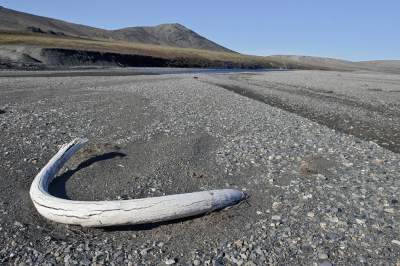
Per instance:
{"type": "Point", "coordinates": [240, 195]}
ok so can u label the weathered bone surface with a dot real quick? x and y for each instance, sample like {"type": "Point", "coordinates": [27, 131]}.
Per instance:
{"type": "Point", "coordinates": [122, 212]}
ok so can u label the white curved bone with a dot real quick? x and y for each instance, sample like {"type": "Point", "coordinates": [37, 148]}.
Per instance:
{"type": "Point", "coordinates": [121, 212]}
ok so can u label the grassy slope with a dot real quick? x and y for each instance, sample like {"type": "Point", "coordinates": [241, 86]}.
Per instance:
{"type": "Point", "coordinates": [209, 58]}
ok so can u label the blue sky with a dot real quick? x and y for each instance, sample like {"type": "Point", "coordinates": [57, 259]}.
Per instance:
{"type": "Point", "coordinates": [352, 29]}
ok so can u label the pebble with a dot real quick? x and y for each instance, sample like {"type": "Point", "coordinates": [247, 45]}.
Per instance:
{"type": "Point", "coordinates": [322, 256]}
{"type": "Point", "coordinates": [196, 262]}
{"type": "Point", "coordinates": [170, 261]}
{"type": "Point", "coordinates": [276, 217]}
{"type": "Point", "coordinates": [144, 252]}
{"type": "Point", "coordinates": [18, 224]}
{"type": "Point", "coordinates": [238, 243]}
{"type": "Point", "coordinates": [390, 210]}
{"type": "Point", "coordinates": [396, 242]}
{"type": "Point", "coordinates": [243, 256]}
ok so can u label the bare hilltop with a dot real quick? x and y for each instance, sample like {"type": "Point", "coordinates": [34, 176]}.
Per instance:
{"type": "Point", "coordinates": [172, 34]}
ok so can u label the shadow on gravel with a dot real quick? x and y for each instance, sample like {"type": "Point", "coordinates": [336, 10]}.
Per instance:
{"type": "Point", "coordinates": [2, 111]}
{"type": "Point", "coordinates": [57, 187]}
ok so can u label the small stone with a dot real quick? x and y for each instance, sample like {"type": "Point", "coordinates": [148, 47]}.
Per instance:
{"type": "Point", "coordinates": [347, 164]}
{"type": "Point", "coordinates": [396, 242]}
{"type": "Point", "coordinates": [144, 251]}
{"type": "Point", "coordinates": [276, 217]}
{"type": "Point", "coordinates": [389, 210]}
{"type": "Point", "coordinates": [307, 196]}
{"type": "Point", "coordinates": [170, 261]}
{"type": "Point", "coordinates": [276, 205]}
{"type": "Point", "coordinates": [259, 212]}
{"type": "Point", "coordinates": [325, 263]}
{"type": "Point", "coordinates": [333, 219]}
{"type": "Point", "coordinates": [67, 259]}
{"type": "Point", "coordinates": [18, 224]}
{"type": "Point", "coordinates": [322, 256]}
{"type": "Point", "coordinates": [196, 262]}
{"type": "Point", "coordinates": [360, 221]}
{"type": "Point", "coordinates": [378, 162]}
{"type": "Point", "coordinates": [362, 259]}
{"type": "Point", "coordinates": [85, 262]}
{"type": "Point", "coordinates": [310, 214]}
{"type": "Point", "coordinates": [306, 168]}
{"type": "Point", "coordinates": [259, 251]}
{"type": "Point", "coordinates": [238, 243]}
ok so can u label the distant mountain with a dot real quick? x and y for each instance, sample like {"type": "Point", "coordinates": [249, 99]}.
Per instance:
{"type": "Point", "coordinates": [389, 66]}
{"type": "Point", "coordinates": [384, 65]}
{"type": "Point", "coordinates": [165, 34]}
{"type": "Point", "coordinates": [168, 34]}
{"type": "Point", "coordinates": [321, 62]}
{"type": "Point", "coordinates": [34, 42]}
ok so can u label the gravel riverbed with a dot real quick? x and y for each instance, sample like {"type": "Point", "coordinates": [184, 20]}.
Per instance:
{"type": "Point", "coordinates": [316, 151]}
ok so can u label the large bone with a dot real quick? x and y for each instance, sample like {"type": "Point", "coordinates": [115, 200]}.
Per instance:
{"type": "Point", "coordinates": [121, 212]}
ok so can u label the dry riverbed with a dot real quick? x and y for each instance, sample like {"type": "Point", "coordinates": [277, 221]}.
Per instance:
{"type": "Point", "coordinates": [317, 151]}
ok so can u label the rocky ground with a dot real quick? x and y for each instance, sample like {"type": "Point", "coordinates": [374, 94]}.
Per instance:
{"type": "Point", "coordinates": [316, 151]}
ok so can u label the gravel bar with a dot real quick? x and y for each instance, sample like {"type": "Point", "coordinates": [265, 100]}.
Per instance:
{"type": "Point", "coordinates": [318, 153]}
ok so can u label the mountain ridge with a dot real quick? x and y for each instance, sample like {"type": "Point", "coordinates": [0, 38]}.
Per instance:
{"type": "Point", "coordinates": [170, 34]}
{"type": "Point", "coordinates": [390, 66]}
{"type": "Point", "coordinates": [30, 41]}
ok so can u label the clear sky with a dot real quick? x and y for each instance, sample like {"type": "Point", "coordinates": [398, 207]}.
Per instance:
{"type": "Point", "coordinates": [348, 29]}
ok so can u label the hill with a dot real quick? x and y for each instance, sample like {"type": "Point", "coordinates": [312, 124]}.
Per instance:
{"type": "Point", "coordinates": [389, 66]}
{"type": "Point", "coordinates": [321, 62]}
{"type": "Point", "coordinates": [392, 66]}
{"type": "Point", "coordinates": [33, 51]}
{"type": "Point", "coordinates": [34, 42]}
{"type": "Point", "coordinates": [165, 34]}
